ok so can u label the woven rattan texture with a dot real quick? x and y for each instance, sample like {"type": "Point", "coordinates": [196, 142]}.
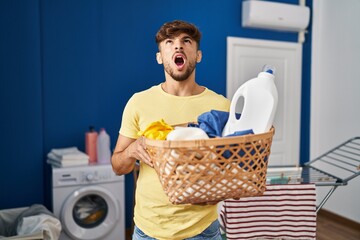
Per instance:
{"type": "Point", "coordinates": [203, 171]}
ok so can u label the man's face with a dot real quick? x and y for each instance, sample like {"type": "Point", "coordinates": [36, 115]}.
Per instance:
{"type": "Point", "coordinates": [179, 56]}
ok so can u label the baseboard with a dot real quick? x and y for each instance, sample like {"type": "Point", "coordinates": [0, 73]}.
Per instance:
{"type": "Point", "coordinates": [330, 215]}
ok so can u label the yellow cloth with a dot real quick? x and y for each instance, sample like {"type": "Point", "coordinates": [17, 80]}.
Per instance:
{"type": "Point", "coordinates": [154, 214]}
{"type": "Point", "coordinates": [156, 130]}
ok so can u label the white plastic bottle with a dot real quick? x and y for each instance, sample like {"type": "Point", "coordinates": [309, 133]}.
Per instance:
{"type": "Point", "coordinates": [260, 103]}
{"type": "Point", "coordinates": [103, 147]}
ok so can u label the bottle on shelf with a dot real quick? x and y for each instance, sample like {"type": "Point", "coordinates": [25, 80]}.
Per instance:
{"type": "Point", "coordinates": [103, 147]}
{"type": "Point", "coordinates": [90, 144]}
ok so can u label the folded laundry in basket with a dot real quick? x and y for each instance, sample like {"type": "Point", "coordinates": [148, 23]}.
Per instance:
{"type": "Point", "coordinates": [213, 123]}
{"type": "Point", "coordinates": [156, 130]}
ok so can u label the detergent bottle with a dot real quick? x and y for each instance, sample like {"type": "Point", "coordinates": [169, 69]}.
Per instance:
{"type": "Point", "coordinates": [90, 144]}
{"type": "Point", "coordinates": [260, 102]}
{"type": "Point", "coordinates": [103, 147]}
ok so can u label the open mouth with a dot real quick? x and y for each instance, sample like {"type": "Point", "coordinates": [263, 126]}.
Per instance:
{"type": "Point", "coordinates": [179, 60]}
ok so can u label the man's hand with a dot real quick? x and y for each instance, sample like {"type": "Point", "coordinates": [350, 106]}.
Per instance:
{"type": "Point", "coordinates": [137, 150]}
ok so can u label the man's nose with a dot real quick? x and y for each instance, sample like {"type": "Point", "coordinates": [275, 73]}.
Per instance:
{"type": "Point", "coordinates": [178, 45]}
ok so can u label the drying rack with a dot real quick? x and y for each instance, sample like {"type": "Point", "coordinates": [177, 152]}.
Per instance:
{"type": "Point", "coordinates": [334, 168]}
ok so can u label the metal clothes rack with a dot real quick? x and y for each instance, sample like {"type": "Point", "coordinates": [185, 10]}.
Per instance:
{"type": "Point", "coordinates": [334, 168]}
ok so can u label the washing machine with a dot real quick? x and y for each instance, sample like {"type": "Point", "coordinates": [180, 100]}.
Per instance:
{"type": "Point", "coordinates": [90, 202]}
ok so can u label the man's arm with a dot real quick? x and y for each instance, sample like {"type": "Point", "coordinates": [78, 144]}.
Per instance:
{"type": "Point", "coordinates": [126, 152]}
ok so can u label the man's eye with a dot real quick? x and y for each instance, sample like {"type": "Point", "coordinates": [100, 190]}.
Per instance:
{"type": "Point", "coordinates": [168, 41]}
{"type": "Point", "coordinates": [187, 40]}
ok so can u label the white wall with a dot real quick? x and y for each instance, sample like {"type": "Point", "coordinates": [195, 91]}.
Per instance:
{"type": "Point", "coordinates": [335, 90]}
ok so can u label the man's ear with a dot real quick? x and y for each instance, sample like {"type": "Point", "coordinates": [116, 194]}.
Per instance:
{"type": "Point", "coordinates": [198, 56]}
{"type": "Point", "coordinates": [158, 58]}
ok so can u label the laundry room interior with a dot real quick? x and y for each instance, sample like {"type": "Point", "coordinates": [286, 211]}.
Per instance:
{"type": "Point", "coordinates": [66, 66]}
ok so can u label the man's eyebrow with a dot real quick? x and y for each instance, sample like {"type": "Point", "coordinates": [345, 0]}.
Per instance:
{"type": "Point", "coordinates": [185, 37]}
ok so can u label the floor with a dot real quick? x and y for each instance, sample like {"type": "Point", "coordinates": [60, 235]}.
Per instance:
{"type": "Point", "coordinates": [334, 227]}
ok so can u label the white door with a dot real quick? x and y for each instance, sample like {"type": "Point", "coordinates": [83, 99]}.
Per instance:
{"type": "Point", "coordinates": [245, 59]}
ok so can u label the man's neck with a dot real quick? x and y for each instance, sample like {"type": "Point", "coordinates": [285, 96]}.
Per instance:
{"type": "Point", "coordinates": [182, 88]}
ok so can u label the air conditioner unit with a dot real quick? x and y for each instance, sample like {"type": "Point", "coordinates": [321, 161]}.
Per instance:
{"type": "Point", "coordinates": [276, 16]}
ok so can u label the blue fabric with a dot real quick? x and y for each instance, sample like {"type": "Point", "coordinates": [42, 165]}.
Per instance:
{"type": "Point", "coordinates": [210, 233]}
{"type": "Point", "coordinates": [239, 133]}
{"type": "Point", "coordinates": [227, 153]}
{"type": "Point", "coordinates": [213, 123]}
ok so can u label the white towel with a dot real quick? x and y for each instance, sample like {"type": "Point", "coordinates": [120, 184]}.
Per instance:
{"type": "Point", "coordinates": [60, 164]}
{"type": "Point", "coordinates": [71, 153]}
{"type": "Point", "coordinates": [283, 212]}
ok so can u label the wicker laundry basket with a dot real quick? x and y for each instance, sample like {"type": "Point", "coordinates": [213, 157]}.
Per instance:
{"type": "Point", "coordinates": [211, 170]}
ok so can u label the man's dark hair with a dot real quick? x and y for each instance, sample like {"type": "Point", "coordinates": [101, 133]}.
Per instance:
{"type": "Point", "coordinates": [175, 28]}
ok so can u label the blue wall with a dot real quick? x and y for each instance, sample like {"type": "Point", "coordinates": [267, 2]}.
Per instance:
{"type": "Point", "coordinates": [65, 65]}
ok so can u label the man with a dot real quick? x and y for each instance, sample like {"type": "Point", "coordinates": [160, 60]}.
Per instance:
{"type": "Point", "coordinates": [178, 100]}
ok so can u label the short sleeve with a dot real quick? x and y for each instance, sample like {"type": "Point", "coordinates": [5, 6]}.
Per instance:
{"type": "Point", "coordinates": [129, 123]}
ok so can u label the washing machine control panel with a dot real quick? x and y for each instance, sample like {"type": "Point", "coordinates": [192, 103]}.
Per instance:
{"type": "Point", "coordinates": [96, 176]}
{"type": "Point", "coordinates": [90, 177]}
{"type": "Point", "coordinates": [84, 175]}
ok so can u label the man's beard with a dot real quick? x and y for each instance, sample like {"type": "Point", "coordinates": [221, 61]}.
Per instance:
{"type": "Point", "coordinates": [183, 75]}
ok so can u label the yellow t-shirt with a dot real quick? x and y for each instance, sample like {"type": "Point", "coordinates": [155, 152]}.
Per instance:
{"type": "Point", "coordinates": [154, 214]}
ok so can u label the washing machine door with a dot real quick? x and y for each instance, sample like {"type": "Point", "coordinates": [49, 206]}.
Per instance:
{"type": "Point", "coordinates": [89, 213]}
